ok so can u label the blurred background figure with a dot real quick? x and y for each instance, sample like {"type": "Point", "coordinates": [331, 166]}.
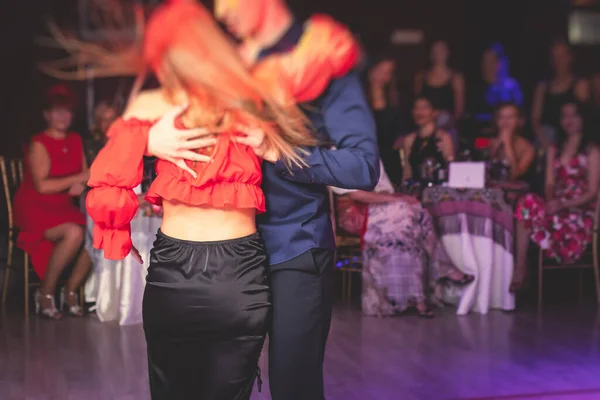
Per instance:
{"type": "Point", "coordinates": [428, 145]}
{"type": "Point", "coordinates": [51, 226]}
{"type": "Point", "coordinates": [511, 154]}
{"type": "Point", "coordinates": [549, 97]}
{"type": "Point", "coordinates": [496, 86]}
{"type": "Point", "coordinates": [383, 92]}
{"type": "Point", "coordinates": [561, 222]}
{"type": "Point", "coordinates": [440, 83]}
{"type": "Point", "coordinates": [104, 116]}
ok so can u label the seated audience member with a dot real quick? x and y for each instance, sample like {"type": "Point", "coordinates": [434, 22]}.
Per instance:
{"type": "Point", "coordinates": [511, 154]}
{"type": "Point", "coordinates": [427, 143]}
{"type": "Point", "coordinates": [561, 224]}
{"type": "Point", "coordinates": [401, 254]}
{"type": "Point", "coordinates": [51, 226]}
{"type": "Point", "coordinates": [104, 115]}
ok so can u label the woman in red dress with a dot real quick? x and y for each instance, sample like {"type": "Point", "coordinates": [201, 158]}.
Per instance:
{"type": "Point", "coordinates": [51, 226]}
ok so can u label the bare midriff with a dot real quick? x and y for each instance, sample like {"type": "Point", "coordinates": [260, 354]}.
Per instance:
{"type": "Point", "coordinates": [205, 223]}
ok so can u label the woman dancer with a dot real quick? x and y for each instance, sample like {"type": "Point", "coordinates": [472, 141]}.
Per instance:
{"type": "Point", "coordinates": [206, 299]}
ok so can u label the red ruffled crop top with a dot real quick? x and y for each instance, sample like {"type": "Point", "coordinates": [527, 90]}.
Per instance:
{"type": "Point", "coordinates": [232, 179]}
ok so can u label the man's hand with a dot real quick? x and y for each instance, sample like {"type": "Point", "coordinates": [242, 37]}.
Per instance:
{"type": "Point", "coordinates": [169, 143]}
{"type": "Point", "coordinates": [255, 139]}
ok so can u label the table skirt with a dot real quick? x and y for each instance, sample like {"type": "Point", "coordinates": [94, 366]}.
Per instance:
{"type": "Point", "coordinates": [117, 287]}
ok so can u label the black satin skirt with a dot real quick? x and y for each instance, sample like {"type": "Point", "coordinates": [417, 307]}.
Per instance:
{"type": "Point", "coordinates": [205, 312]}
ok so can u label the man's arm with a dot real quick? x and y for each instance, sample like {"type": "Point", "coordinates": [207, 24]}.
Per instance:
{"type": "Point", "coordinates": [169, 143]}
{"type": "Point", "coordinates": [354, 164]}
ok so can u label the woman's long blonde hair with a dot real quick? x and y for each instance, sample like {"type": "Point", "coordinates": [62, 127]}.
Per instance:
{"type": "Point", "coordinates": [189, 52]}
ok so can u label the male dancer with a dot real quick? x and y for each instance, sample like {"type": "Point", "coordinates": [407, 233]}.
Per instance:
{"type": "Point", "coordinates": [296, 227]}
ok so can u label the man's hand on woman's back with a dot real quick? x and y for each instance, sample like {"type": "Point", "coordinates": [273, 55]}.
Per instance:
{"type": "Point", "coordinates": [169, 143]}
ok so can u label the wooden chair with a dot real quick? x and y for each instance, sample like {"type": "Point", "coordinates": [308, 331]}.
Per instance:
{"type": "Point", "coordinates": [588, 261]}
{"type": "Point", "coordinates": [12, 176]}
{"type": "Point", "coordinates": [348, 251]}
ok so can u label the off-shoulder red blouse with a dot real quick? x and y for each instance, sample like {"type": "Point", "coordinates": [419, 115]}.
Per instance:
{"type": "Point", "coordinates": [231, 180]}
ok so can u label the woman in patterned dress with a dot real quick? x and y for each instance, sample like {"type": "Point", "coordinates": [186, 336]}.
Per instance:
{"type": "Point", "coordinates": [561, 224]}
{"type": "Point", "coordinates": [400, 254]}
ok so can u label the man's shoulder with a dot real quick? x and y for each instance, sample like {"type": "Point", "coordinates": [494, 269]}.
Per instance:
{"type": "Point", "coordinates": [350, 80]}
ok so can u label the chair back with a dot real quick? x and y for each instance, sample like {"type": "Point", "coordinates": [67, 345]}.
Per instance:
{"type": "Point", "coordinates": [332, 208]}
{"type": "Point", "coordinates": [343, 237]}
{"type": "Point", "coordinates": [335, 217]}
{"type": "Point", "coordinates": [12, 176]}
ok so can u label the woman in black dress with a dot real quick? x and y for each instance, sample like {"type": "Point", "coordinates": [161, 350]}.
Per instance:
{"type": "Point", "coordinates": [428, 142]}
{"type": "Point", "coordinates": [549, 97]}
{"type": "Point", "coordinates": [444, 86]}
{"type": "Point", "coordinates": [384, 103]}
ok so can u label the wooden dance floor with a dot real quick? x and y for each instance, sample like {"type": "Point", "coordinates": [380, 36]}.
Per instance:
{"type": "Point", "coordinates": [525, 355]}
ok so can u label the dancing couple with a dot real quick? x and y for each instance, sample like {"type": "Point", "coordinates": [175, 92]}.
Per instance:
{"type": "Point", "coordinates": [246, 245]}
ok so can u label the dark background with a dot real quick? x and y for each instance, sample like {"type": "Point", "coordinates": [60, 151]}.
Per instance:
{"type": "Point", "coordinates": [525, 27]}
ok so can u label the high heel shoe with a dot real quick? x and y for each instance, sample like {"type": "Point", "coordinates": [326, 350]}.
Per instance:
{"type": "Point", "coordinates": [424, 312]}
{"type": "Point", "coordinates": [463, 281]}
{"type": "Point", "coordinates": [73, 310]}
{"type": "Point", "coordinates": [50, 312]}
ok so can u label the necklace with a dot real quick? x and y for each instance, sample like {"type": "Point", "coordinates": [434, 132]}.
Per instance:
{"type": "Point", "coordinates": [64, 148]}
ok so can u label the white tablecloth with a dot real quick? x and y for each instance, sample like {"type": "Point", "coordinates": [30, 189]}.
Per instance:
{"type": "Point", "coordinates": [475, 227]}
{"type": "Point", "coordinates": [117, 287]}
{"type": "Point", "coordinates": [490, 263]}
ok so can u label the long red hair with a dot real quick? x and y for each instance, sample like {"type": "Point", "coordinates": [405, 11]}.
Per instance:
{"type": "Point", "coordinates": [188, 51]}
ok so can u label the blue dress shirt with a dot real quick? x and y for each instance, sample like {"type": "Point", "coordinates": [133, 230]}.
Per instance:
{"type": "Point", "coordinates": [298, 209]}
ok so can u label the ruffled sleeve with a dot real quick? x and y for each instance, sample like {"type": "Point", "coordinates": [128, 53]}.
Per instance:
{"type": "Point", "coordinates": [115, 173]}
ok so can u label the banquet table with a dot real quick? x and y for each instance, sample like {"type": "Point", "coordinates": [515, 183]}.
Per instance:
{"type": "Point", "coordinates": [476, 228]}
{"type": "Point", "coordinates": [117, 287]}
